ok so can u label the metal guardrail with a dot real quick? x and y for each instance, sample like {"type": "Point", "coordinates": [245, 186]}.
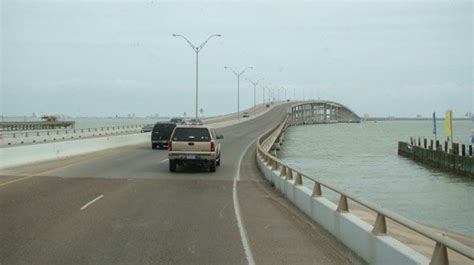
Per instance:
{"type": "Point", "coordinates": [439, 256]}
{"type": "Point", "coordinates": [29, 137]}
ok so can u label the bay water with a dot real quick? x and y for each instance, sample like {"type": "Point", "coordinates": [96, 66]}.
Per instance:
{"type": "Point", "coordinates": [362, 158]}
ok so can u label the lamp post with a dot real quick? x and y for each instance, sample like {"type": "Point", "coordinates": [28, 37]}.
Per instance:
{"type": "Point", "coordinates": [284, 93]}
{"type": "Point", "coordinates": [263, 96]}
{"type": "Point", "coordinates": [255, 83]}
{"type": "Point", "coordinates": [197, 49]}
{"type": "Point", "coordinates": [238, 85]}
{"type": "Point", "coordinates": [271, 94]}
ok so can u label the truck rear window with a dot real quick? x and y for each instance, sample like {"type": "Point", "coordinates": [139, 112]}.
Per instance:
{"type": "Point", "coordinates": [191, 135]}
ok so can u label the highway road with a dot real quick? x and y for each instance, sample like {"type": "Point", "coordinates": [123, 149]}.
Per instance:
{"type": "Point", "coordinates": [123, 206]}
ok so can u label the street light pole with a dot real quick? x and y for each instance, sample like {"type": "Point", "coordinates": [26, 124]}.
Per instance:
{"type": "Point", "coordinates": [197, 49]}
{"type": "Point", "coordinates": [263, 95]}
{"type": "Point", "coordinates": [255, 83]}
{"type": "Point", "coordinates": [271, 96]}
{"type": "Point", "coordinates": [263, 89]}
{"type": "Point", "coordinates": [238, 85]}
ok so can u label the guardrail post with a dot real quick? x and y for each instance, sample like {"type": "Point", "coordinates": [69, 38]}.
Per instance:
{"type": "Point", "coordinates": [440, 255]}
{"type": "Point", "coordinates": [274, 164]}
{"type": "Point", "coordinates": [298, 179]}
{"type": "Point", "coordinates": [317, 190]}
{"type": "Point", "coordinates": [283, 171]}
{"type": "Point", "coordinates": [380, 226]}
{"type": "Point", "coordinates": [290, 173]}
{"type": "Point", "coordinates": [343, 206]}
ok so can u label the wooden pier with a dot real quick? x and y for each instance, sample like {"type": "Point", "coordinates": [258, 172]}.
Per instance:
{"type": "Point", "coordinates": [35, 125]}
{"type": "Point", "coordinates": [458, 159]}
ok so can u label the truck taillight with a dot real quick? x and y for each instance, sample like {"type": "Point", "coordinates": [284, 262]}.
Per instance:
{"type": "Point", "coordinates": [170, 146]}
{"type": "Point", "coordinates": [213, 147]}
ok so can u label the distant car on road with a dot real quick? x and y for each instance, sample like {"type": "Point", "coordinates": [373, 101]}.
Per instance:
{"type": "Point", "coordinates": [246, 115]}
{"type": "Point", "coordinates": [161, 134]}
{"type": "Point", "coordinates": [178, 121]}
{"type": "Point", "coordinates": [147, 128]}
{"type": "Point", "coordinates": [195, 122]}
{"type": "Point", "coordinates": [194, 145]}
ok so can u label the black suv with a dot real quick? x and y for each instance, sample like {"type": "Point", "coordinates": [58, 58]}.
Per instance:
{"type": "Point", "coordinates": [161, 134]}
{"type": "Point", "coordinates": [178, 121]}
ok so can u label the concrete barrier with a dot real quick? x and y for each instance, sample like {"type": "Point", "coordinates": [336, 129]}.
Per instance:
{"type": "Point", "coordinates": [19, 155]}
{"type": "Point", "coordinates": [348, 228]}
{"type": "Point", "coordinates": [42, 136]}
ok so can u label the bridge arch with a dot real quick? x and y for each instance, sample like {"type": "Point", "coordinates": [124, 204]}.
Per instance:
{"type": "Point", "coordinates": [321, 111]}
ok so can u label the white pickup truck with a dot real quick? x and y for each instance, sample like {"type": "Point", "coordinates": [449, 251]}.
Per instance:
{"type": "Point", "coordinates": [194, 145]}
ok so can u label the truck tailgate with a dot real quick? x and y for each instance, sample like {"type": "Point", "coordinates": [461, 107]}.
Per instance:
{"type": "Point", "coordinates": [191, 147]}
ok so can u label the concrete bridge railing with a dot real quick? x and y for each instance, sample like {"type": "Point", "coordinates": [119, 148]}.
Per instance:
{"type": "Point", "coordinates": [369, 241]}
{"type": "Point", "coordinates": [31, 137]}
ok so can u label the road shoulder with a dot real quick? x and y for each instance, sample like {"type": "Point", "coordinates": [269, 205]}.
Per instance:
{"type": "Point", "coordinates": [279, 233]}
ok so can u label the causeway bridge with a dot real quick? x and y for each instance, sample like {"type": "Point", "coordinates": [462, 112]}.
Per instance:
{"type": "Point", "coordinates": [122, 206]}
{"type": "Point", "coordinates": [321, 111]}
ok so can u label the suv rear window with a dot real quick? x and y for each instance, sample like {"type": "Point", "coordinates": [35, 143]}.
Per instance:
{"type": "Point", "coordinates": [191, 135]}
{"type": "Point", "coordinates": [163, 129]}
{"type": "Point", "coordinates": [176, 120]}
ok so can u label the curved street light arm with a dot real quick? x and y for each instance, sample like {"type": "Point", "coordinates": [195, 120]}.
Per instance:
{"type": "Point", "coordinates": [231, 69]}
{"type": "Point", "coordinates": [245, 69]}
{"type": "Point", "coordinates": [255, 83]}
{"type": "Point", "coordinates": [204, 43]}
{"type": "Point", "coordinates": [186, 39]}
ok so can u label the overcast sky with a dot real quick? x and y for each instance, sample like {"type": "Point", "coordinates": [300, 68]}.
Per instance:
{"type": "Point", "coordinates": [102, 58]}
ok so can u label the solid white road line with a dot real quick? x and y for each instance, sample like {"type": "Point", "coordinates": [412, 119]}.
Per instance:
{"type": "Point", "coordinates": [91, 202]}
{"type": "Point", "coordinates": [164, 160]}
{"type": "Point", "coordinates": [238, 215]}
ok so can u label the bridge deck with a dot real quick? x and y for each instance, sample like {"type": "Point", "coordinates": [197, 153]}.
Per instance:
{"type": "Point", "coordinates": [150, 216]}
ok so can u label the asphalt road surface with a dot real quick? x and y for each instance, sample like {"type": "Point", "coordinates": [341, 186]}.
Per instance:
{"type": "Point", "coordinates": [123, 206]}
